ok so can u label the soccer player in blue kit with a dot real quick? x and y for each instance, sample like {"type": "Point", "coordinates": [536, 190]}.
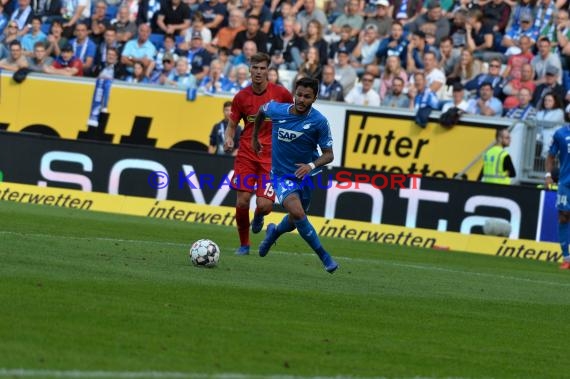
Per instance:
{"type": "Point", "coordinates": [560, 146]}
{"type": "Point", "coordinates": [297, 130]}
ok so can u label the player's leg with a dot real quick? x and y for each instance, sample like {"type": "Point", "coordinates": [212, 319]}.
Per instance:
{"type": "Point", "coordinates": [562, 198]}
{"type": "Point", "coordinates": [297, 214]}
{"type": "Point", "coordinates": [265, 199]}
{"type": "Point", "coordinates": [243, 181]}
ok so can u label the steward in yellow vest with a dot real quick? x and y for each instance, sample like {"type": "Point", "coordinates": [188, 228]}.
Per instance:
{"type": "Point", "coordinates": [497, 164]}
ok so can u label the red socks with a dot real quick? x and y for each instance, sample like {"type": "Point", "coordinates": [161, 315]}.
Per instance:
{"type": "Point", "coordinates": [242, 220]}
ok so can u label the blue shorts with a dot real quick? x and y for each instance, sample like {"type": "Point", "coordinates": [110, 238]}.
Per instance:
{"type": "Point", "coordinates": [563, 198]}
{"type": "Point", "coordinates": [287, 186]}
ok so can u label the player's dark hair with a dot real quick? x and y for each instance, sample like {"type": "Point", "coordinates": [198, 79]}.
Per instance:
{"type": "Point", "coordinates": [227, 104]}
{"type": "Point", "coordinates": [308, 83]}
{"type": "Point", "coordinates": [260, 57]}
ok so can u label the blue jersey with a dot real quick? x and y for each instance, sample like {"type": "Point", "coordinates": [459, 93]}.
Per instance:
{"type": "Point", "coordinates": [295, 138]}
{"type": "Point", "coordinates": [560, 146]}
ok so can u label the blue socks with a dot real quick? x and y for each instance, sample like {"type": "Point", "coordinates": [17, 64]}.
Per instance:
{"type": "Point", "coordinates": [563, 237]}
{"type": "Point", "coordinates": [310, 235]}
{"type": "Point", "coordinates": [284, 226]}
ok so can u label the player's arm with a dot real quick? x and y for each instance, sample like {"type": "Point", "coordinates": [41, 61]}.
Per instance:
{"type": "Point", "coordinates": [305, 168]}
{"type": "Point", "coordinates": [229, 136]}
{"type": "Point", "coordinates": [259, 118]}
{"type": "Point", "coordinates": [549, 166]}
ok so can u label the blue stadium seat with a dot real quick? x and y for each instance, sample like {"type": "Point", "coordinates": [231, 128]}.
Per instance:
{"type": "Point", "coordinates": [45, 28]}
{"type": "Point", "coordinates": [178, 39]}
{"type": "Point", "coordinates": [157, 39]}
{"type": "Point", "coordinates": [112, 11]}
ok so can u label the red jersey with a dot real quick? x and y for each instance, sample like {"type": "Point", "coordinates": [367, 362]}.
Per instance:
{"type": "Point", "coordinates": [245, 106]}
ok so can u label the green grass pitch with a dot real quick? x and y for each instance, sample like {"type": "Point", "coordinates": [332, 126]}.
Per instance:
{"type": "Point", "coordinates": [97, 295]}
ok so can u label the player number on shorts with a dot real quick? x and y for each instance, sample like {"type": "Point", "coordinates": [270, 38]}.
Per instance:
{"type": "Point", "coordinates": [268, 190]}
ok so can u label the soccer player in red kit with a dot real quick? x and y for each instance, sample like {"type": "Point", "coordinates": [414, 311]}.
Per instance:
{"type": "Point", "coordinates": [251, 170]}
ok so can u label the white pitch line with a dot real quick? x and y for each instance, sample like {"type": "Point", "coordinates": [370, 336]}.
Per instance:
{"type": "Point", "coordinates": [349, 259]}
{"type": "Point", "coordinates": [82, 374]}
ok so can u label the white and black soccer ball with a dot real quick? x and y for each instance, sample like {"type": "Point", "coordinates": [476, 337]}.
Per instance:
{"type": "Point", "coordinates": [204, 253]}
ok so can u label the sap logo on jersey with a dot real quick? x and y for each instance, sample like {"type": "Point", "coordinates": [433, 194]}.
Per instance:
{"type": "Point", "coordinates": [288, 135]}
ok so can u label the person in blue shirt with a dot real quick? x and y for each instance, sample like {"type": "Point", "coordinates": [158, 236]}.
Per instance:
{"type": "Point", "coordinates": [560, 147]}
{"type": "Point", "coordinates": [298, 129]}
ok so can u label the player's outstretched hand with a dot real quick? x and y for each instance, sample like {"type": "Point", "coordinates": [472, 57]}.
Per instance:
{"type": "Point", "coordinates": [303, 170]}
{"type": "Point", "coordinates": [229, 145]}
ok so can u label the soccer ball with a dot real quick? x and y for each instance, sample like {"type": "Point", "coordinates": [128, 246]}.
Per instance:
{"type": "Point", "coordinates": [204, 253]}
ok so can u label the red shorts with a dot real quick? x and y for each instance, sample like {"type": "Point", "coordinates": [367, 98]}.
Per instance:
{"type": "Point", "coordinates": [253, 176]}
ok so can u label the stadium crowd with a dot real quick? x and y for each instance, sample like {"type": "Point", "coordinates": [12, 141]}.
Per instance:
{"type": "Point", "coordinates": [485, 57]}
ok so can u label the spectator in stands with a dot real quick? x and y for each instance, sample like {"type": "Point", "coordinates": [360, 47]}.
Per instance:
{"type": "Point", "coordinates": [139, 50]}
{"type": "Point", "coordinates": [181, 77]}
{"type": "Point", "coordinates": [545, 12]}
{"type": "Point", "coordinates": [248, 51]}
{"type": "Point", "coordinates": [3, 19]}
{"type": "Point", "coordinates": [458, 32]}
{"type": "Point", "coordinates": [522, 7]}
{"type": "Point", "coordinates": [138, 75]}
{"type": "Point", "coordinates": [126, 29]}
{"type": "Point", "coordinates": [405, 11]}
{"type": "Point", "coordinates": [136, 9]}
{"type": "Point", "coordinates": [466, 69]}
{"type": "Point", "coordinates": [513, 87]}
{"type": "Point", "coordinates": [35, 35]}
{"type": "Point", "coordinates": [496, 14]}
{"type": "Point", "coordinates": [435, 78]}
{"type": "Point", "coordinates": [346, 42]}
{"type": "Point", "coordinates": [550, 118]}
{"type": "Point", "coordinates": [168, 47]}
{"type": "Point", "coordinates": [198, 25]}
{"type": "Point", "coordinates": [214, 13]}
{"type": "Point", "coordinates": [330, 89]}
{"type": "Point", "coordinates": [512, 39]}
{"type": "Point", "coordinates": [392, 70]}
{"type": "Point", "coordinates": [381, 19]}
{"type": "Point", "coordinates": [16, 60]}
{"type": "Point", "coordinates": [395, 97]}
{"type": "Point", "coordinates": [215, 81]}
{"type": "Point", "coordinates": [167, 69]}
{"type": "Point", "coordinates": [544, 59]}
{"type": "Point", "coordinates": [262, 13]}
{"type": "Point", "coordinates": [365, 50]}
{"type": "Point", "coordinates": [421, 96]}
{"type": "Point", "coordinates": [173, 17]}
{"type": "Point", "coordinates": [432, 16]}
{"type": "Point", "coordinates": [363, 94]}
{"type": "Point", "coordinates": [416, 50]}
{"type": "Point", "coordinates": [84, 48]}
{"type": "Point", "coordinates": [493, 77]}
{"type": "Point", "coordinates": [40, 60]}
{"type": "Point", "coordinates": [240, 77]}
{"type": "Point", "coordinates": [486, 104]}
{"type": "Point", "coordinates": [497, 164]}
{"type": "Point", "coordinates": [55, 40]}
{"type": "Point", "coordinates": [111, 68]}
{"type": "Point", "coordinates": [22, 16]}
{"type": "Point", "coordinates": [49, 11]}
{"type": "Point", "coordinates": [66, 64]}
{"type": "Point", "coordinates": [253, 33]}
{"type": "Point", "coordinates": [198, 57]}
{"type": "Point", "coordinates": [99, 22]}
{"type": "Point", "coordinates": [396, 44]}
{"type": "Point", "coordinates": [314, 38]}
{"type": "Point", "coordinates": [458, 99]}
{"type": "Point", "coordinates": [284, 11]}
{"type": "Point", "coordinates": [226, 35]}
{"type": "Point", "coordinates": [311, 67]}
{"type": "Point", "coordinates": [516, 61]}
{"type": "Point", "coordinates": [525, 110]}
{"type": "Point", "coordinates": [448, 56]}
{"type": "Point", "coordinates": [550, 85]}
{"type": "Point", "coordinates": [109, 41]}
{"type": "Point", "coordinates": [75, 11]}
{"type": "Point", "coordinates": [345, 73]}
{"type": "Point", "coordinates": [286, 48]}
{"type": "Point", "coordinates": [351, 18]}
{"type": "Point", "coordinates": [557, 31]}
{"type": "Point", "coordinates": [273, 76]}
{"type": "Point", "coordinates": [479, 37]}
{"type": "Point", "coordinates": [217, 136]}
{"type": "Point", "coordinates": [310, 12]}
